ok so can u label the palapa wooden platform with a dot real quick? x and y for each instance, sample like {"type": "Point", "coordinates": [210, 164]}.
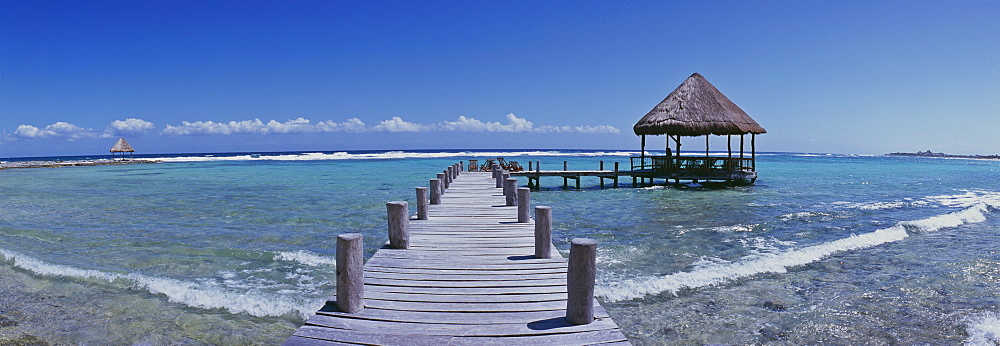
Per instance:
{"type": "Point", "coordinates": [469, 277]}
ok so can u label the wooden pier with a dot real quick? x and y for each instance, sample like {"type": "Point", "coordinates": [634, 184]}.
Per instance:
{"type": "Point", "coordinates": [468, 274]}
{"type": "Point", "coordinates": [643, 170]}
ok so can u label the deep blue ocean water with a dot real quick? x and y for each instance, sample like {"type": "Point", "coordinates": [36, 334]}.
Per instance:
{"type": "Point", "coordinates": [239, 249]}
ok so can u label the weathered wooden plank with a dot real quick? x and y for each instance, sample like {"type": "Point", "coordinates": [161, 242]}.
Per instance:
{"type": "Point", "coordinates": [464, 298]}
{"type": "Point", "coordinates": [464, 271]}
{"type": "Point", "coordinates": [499, 276]}
{"type": "Point", "coordinates": [484, 284]}
{"type": "Point", "coordinates": [455, 317]}
{"type": "Point", "coordinates": [476, 291]}
{"type": "Point", "coordinates": [408, 263]}
{"type": "Point", "coordinates": [296, 340]}
{"type": "Point", "coordinates": [350, 336]}
{"type": "Point", "coordinates": [434, 258]}
{"type": "Point", "coordinates": [550, 326]}
{"type": "Point", "coordinates": [485, 306]}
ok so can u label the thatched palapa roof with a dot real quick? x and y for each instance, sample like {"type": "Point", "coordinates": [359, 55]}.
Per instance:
{"type": "Point", "coordinates": [121, 146]}
{"type": "Point", "coordinates": [696, 108]}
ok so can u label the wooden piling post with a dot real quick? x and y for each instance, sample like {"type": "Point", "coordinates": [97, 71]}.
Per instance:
{"type": "Point", "coordinates": [435, 191]}
{"type": "Point", "coordinates": [399, 224]}
{"type": "Point", "coordinates": [444, 181]}
{"type": "Point", "coordinates": [580, 277]}
{"type": "Point", "coordinates": [511, 188]}
{"type": "Point", "coordinates": [565, 179]}
{"type": "Point", "coordinates": [538, 166]}
{"type": "Point", "coordinates": [422, 203]}
{"type": "Point", "coordinates": [523, 203]}
{"type": "Point", "coordinates": [448, 177]}
{"type": "Point", "coordinates": [529, 166]}
{"type": "Point", "coordinates": [602, 177]}
{"type": "Point", "coordinates": [499, 177]}
{"type": "Point", "coordinates": [616, 174]}
{"type": "Point", "coordinates": [350, 273]}
{"type": "Point", "coordinates": [543, 232]}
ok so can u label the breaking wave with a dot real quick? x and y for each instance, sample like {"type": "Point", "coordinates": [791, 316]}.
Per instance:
{"type": "Point", "coordinates": [715, 273]}
{"type": "Point", "coordinates": [308, 258]}
{"type": "Point", "coordinates": [205, 294]}
{"type": "Point", "coordinates": [983, 330]}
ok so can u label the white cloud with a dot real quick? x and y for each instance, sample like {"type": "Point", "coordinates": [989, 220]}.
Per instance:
{"type": "Point", "coordinates": [60, 129]}
{"type": "Point", "coordinates": [129, 127]}
{"type": "Point", "coordinates": [514, 124]}
{"type": "Point", "coordinates": [256, 126]}
{"type": "Point", "coordinates": [397, 124]}
{"type": "Point", "coordinates": [607, 129]}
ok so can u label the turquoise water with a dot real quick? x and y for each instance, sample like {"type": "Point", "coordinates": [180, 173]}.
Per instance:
{"type": "Point", "coordinates": [234, 249]}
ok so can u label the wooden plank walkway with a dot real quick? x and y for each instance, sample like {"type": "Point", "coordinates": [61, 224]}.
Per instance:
{"type": "Point", "coordinates": [469, 277]}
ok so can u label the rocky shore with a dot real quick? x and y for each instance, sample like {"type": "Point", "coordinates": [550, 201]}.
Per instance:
{"type": "Point", "coordinates": [70, 163]}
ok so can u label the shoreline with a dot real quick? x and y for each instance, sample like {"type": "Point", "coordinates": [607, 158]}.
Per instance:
{"type": "Point", "coordinates": [945, 156]}
{"type": "Point", "coordinates": [70, 163]}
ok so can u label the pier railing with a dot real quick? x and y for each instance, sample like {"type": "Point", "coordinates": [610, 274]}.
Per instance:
{"type": "Point", "coordinates": [691, 163]}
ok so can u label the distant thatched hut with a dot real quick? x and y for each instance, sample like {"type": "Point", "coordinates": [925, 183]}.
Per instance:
{"type": "Point", "coordinates": [121, 146]}
{"type": "Point", "coordinates": [697, 108]}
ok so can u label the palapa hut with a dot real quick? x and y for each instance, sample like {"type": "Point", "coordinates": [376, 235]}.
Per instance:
{"type": "Point", "coordinates": [121, 146]}
{"type": "Point", "coordinates": [697, 108]}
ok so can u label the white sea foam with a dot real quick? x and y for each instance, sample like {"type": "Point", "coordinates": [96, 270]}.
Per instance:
{"type": "Point", "coordinates": [308, 258]}
{"type": "Point", "coordinates": [983, 330]}
{"type": "Point", "coordinates": [968, 198]}
{"type": "Point", "coordinates": [205, 294]}
{"type": "Point", "coordinates": [708, 274]}
{"type": "Point", "coordinates": [389, 155]}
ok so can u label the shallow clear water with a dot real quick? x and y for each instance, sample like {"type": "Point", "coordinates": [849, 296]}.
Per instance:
{"type": "Point", "coordinates": [235, 249]}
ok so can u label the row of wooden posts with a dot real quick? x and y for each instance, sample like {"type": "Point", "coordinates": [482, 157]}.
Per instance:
{"type": "Point", "coordinates": [536, 166]}
{"type": "Point", "coordinates": [581, 271]}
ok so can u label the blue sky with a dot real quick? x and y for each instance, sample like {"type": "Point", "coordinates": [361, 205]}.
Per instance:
{"type": "Point", "coordinates": [864, 77]}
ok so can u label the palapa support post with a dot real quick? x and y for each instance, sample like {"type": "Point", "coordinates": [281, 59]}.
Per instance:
{"type": "Point", "coordinates": [444, 181]}
{"type": "Point", "coordinates": [511, 190]}
{"type": "Point", "coordinates": [350, 273]}
{"type": "Point", "coordinates": [580, 276]}
{"type": "Point", "coordinates": [422, 203]}
{"type": "Point", "coordinates": [435, 191]}
{"type": "Point", "coordinates": [399, 224]}
{"type": "Point", "coordinates": [543, 232]}
{"type": "Point", "coordinates": [523, 203]}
